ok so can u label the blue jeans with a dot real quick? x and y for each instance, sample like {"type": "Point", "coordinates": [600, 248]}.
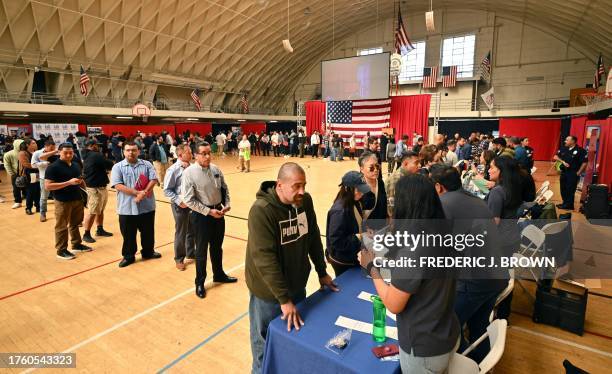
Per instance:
{"type": "Point", "coordinates": [473, 309]}
{"type": "Point", "coordinates": [44, 196]}
{"type": "Point", "coordinates": [332, 154]}
{"type": "Point", "coordinates": [261, 313]}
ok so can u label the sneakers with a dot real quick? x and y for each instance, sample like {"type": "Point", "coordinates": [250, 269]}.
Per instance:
{"type": "Point", "coordinates": [102, 232]}
{"type": "Point", "coordinates": [43, 217]}
{"type": "Point", "coordinates": [81, 248]}
{"type": "Point", "coordinates": [65, 255]}
{"type": "Point", "coordinates": [16, 206]}
{"type": "Point", "coordinates": [87, 238]}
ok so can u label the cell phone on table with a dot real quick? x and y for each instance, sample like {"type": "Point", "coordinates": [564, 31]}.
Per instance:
{"type": "Point", "coordinates": [386, 350]}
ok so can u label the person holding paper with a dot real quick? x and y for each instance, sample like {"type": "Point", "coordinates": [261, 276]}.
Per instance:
{"type": "Point", "coordinates": [134, 180]}
{"type": "Point", "coordinates": [204, 191]}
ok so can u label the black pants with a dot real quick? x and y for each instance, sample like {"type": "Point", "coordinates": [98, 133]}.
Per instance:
{"type": "Point", "coordinates": [130, 225]}
{"type": "Point", "coordinates": [33, 195]}
{"type": "Point", "coordinates": [569, 183]}
{"type": "Point", "coordinates": [17, 192]}
{"type": "Point", "coordinates": [208, 231]}
{"type": "Point", "coordinates": [315, 150]}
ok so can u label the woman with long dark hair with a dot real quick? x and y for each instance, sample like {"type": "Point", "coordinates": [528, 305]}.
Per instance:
{"type": "Point", "coordinates": [345, 223]}
{"type": "Point", "coordinates": [428, 329]}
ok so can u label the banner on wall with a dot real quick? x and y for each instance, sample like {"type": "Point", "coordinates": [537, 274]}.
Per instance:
{"type": "Point", "coordinates": [489, 98]}
{"type": "Point", "coordinates": [59, 131]}
{"type": "Point", "coordinates": [94, 130]}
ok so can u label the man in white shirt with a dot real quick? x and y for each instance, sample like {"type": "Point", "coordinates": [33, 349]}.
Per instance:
{"type": "Point", "coordinates": [40, 160]}
{"type": "Point", "coordinates": [314, 143]}
{"type": "Point", "coordinates": [220, 139]}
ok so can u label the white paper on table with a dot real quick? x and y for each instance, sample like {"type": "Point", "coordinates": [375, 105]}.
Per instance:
{"type": "Point", "coordinates": [353, 324]}
{"type": "Point", "coordinates": [366, 296]}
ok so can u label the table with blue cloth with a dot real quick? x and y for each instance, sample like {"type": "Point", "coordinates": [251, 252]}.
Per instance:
{"type": "Point", "coordinates": [304, 351]}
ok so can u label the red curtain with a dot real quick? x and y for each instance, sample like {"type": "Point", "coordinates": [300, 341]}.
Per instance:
{"type": "Point", "coordinates": [410, 114]}
{"type": "Point", "coordinates": [203, 128]}
{"type": "Point", "coordinates": [255, 127]}
{"type": "Point", "coordinates": [578, 127]}
{"type": "Point", "coordinates": [604, 169]}
{"type": "Point", "coordinates": [315, 115]}
{"type": "Point", "coordinates": [543, 134]}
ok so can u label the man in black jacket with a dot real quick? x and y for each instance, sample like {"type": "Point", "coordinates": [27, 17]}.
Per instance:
{"type": "Point", "coordinates": [95, 168]}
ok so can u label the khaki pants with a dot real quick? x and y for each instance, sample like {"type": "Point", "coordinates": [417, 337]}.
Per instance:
{"type": "Point", "coordinates": [160, 170]}
{"type": "Point", "coordinates": [68, 216]}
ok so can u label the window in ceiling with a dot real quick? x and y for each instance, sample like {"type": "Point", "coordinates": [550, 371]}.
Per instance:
{"type": "Point", "coordinates": [369, 51]}
{"type": "Point", "coordinates": [413, 63]}
{"type": "Point", "coordinates": [459, 51]}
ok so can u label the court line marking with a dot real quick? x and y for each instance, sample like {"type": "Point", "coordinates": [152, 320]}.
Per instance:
{"type": "Point", "coordinates": [562, 341]}
{"type": "Point", "coordinates": [70, 275]}
{"type": "Point", "coordinates": [202, 343]}
{"type": "Point", "coordinates": [133, 318]}
{"type": "Point", "coordinates": [89, 269]}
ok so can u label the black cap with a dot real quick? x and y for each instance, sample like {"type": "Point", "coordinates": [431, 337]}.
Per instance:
{"type": "Point", "coordinates": [355, 179]}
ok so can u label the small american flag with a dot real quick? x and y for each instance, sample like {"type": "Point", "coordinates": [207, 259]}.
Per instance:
{"type": "Point", "coordinates": [485, 67]}
{"type": "Point", "coordinates": [195, 97]}
{"type": "Point", "coordinates": [244, 103]}
{"type": "Point", "coordinates": [359, 117]}
{"type": "Point", "coordinates": [84, 82]}
{"type": "Point", "coordinates": [402, 43]}
{"type": "Point", "coordinates": [600, 71]}
{"type": "Point", "coordinates": [449, 76]}
{"type": "Point", "coordinates": [430, 77]}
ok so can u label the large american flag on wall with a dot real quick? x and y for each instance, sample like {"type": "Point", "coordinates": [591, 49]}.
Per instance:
{"type": "Point", "coordinates": [359, 117]}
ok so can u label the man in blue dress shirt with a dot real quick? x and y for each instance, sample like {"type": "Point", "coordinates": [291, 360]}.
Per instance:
{"type": "Point", "coordinates": [134, 180]}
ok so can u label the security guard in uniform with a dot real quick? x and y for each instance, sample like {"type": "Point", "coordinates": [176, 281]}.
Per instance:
{"type": "Point", "coordinates": [573, 162]}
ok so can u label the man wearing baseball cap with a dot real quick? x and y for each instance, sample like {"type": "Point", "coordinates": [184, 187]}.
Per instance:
{"type": "Point", "coordinates": [95, 168]}
{"type": "Point", "coordinates": [345, 223]}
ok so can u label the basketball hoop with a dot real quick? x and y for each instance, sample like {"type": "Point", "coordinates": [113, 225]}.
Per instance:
{"type": "Point", "coordinates": [141, 110]}
{"type": "Point", "coordinates": [593, 98]}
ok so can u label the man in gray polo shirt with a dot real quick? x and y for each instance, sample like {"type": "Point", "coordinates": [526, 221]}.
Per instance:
{"type": "Point", "coordinates": [183, 233]}
{"type": "Point", "coordinates": [204, 191]}
{"type": "Point", "coordinates": [134, 180]}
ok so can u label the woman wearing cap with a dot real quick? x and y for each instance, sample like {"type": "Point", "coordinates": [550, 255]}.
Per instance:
{"type": "Point", "coordinates": [344, 223]}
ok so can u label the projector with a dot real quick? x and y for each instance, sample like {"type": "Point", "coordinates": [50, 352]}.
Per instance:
{"type": "Point", "coordinates": [287, 46]}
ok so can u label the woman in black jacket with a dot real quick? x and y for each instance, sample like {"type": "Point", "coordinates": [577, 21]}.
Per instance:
{"type": "Point", "coordinates": [344, 223]}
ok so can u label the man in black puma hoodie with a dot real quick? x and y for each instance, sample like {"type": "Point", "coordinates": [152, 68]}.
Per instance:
{"type": "Point", "coordinates": [283, 235]}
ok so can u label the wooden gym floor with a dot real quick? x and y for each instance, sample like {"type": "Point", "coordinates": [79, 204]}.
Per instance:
{"type": "Point", "coordinates": [146, 318]}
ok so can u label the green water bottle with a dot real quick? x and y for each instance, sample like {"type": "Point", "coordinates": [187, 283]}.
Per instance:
{"type": "Point", "coordinates": [380, 319]}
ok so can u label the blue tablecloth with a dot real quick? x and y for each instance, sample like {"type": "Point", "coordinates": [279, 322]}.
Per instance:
{"type": "Point", "coordinates": [304, 351]}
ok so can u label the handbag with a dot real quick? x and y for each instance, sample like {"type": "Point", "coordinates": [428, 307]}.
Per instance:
{"type": "Point", "coordinates": [22, 180]}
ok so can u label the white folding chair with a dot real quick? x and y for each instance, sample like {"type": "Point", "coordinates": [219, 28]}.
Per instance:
{"type": "Point", "coordinates": [543, 188]}
{"type": "Point", "coordinates": [459, 364]}
{"type": "Point", "coordinates": [496, 332]}
{"type": "Point", "coordinates": [536, 238]}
